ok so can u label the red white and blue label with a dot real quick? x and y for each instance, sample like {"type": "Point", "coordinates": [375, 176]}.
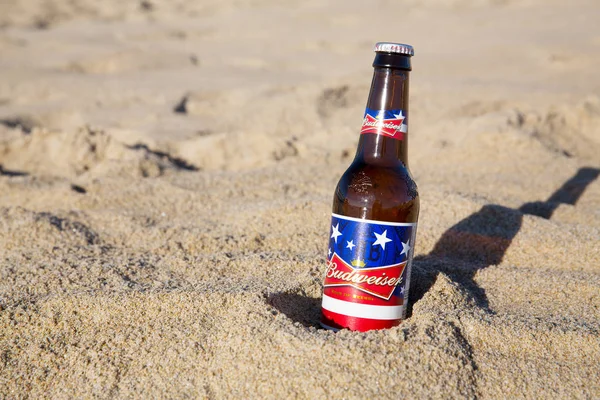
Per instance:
{"type": "Point", "coordinates": [389, 123]}
{"type": "Point", "coordinates": [368, 272]}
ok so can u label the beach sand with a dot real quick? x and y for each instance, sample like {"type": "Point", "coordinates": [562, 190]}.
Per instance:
{"type": "Point", "coordinates": [166, 186]}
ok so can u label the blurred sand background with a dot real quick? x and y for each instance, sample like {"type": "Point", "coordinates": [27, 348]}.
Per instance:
{"type": "Point", "coordinates": [166, 184]}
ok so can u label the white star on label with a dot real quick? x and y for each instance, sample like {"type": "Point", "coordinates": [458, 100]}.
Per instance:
{"type": "Point", "coordinates": [405, 247]}
{"type": "Point", "coordinates": [399, 115]}
{"type": "Point", "coordinates": [350, 245]}
{"type": "Point", "coordinates": [329, 252]}
{"type": "Point", "coordinates": [336, 232]}
{"type": "Point", "coordinates": [381, 239]}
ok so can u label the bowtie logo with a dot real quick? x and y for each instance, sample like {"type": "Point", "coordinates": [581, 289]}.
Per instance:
{"type": "Point", "coordinates": [391, 127]}
{"type": "Point", "coordinates": [379, 281]}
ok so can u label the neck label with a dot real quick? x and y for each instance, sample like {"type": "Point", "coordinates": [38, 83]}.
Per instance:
{"type": "Point", "coordinates": [389, 123]}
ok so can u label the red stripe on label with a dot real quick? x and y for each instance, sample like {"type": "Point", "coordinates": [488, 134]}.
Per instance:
{"type": "Point", "coordinates": [339, 321]}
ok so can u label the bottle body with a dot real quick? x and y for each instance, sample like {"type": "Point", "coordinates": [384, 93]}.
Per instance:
{"type": "Point", "coordinates": [375, 212]}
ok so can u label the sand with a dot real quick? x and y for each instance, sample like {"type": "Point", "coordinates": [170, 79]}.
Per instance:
{"type": "Point", "coordinates": [166, 185]}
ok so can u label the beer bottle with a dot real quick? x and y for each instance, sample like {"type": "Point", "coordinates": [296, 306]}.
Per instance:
{"type": "Point", "coordinates": [375, 209]}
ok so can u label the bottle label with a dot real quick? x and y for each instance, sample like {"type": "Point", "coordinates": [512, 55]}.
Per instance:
{"type": "Point", "coordinates": [390, 123]}
{"type": "Point", "coordinates": [368, 270]}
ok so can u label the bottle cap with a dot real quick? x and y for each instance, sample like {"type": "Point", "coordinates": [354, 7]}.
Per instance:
{"type": "Point", "coordinates": [399, 48]}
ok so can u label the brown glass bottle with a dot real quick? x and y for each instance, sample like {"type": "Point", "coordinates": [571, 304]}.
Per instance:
{"type": "Point", "coordinates": [377, 187]}
{"type": "Point", "coordinates": [378, 184]}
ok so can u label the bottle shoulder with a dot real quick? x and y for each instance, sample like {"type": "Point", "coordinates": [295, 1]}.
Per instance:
{"type": "Point", "coordinates": [380, 192]}
{"type": "Point", "coordinates": [363, 177]}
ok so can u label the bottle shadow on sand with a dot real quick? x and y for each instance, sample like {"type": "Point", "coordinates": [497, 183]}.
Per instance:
{"type": "Point", "coordinates": [474, 243]}
{"type": "Point", "coordinates": [482, 239]}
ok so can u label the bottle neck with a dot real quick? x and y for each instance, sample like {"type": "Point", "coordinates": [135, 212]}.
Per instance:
{"type": "Point", "coordinates": [389, 93]}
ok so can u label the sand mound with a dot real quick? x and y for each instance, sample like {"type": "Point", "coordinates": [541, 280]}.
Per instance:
{"type": "Point", "coordinates": [86, 151]}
